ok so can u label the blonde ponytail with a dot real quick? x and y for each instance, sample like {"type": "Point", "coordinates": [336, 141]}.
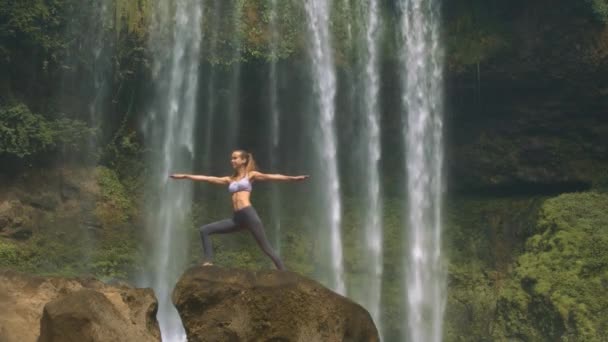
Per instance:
{"type": "Point", "coordinates": [251, 165]}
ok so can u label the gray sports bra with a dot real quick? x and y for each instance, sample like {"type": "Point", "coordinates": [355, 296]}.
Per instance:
{"type": "Point", "coordinates": [242, 184]}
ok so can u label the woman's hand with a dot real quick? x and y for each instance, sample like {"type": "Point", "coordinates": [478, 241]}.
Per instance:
{"type": "Point", "coordinates": [300, 178]}
{"type": "Point", "coordinates": [178, 176]}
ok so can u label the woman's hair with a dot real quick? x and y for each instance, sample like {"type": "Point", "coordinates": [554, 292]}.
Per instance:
{"type": "Point", "coordinates": [249, 162]}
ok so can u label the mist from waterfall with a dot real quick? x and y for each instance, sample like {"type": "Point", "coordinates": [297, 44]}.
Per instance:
{"type": "Point", "coordinates": [169, 130]}
{"type": "Point", "coordinates": [101, 66]}
{"type": "Point", "coordinates": [422, 72]}
{"type": "Point", "coordinates": [84, 85]}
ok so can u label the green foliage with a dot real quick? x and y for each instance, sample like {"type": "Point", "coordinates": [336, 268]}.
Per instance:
{"type": "Point", "coordinates": [557, 290]}
{"type": "Point", "coordinates": [23, 133]}
{"type": "Point", "coordinates": [30, 25]}
{"type": "Point", "coordinates": [599, 8]}
{"type": "Point", "coordinates": [242, 30]}
{"type": "Point", "coordinates": [474, 38]}
{"type": "Point", "coordinates": [131, 16]}
{"type": "Point", "coordinates": [490, 230]}
{"type": "Point", "coordinates": [116, 256]}
{"type": "Point", "coordinates": [257, 27]}
{"type": "Point", "coordinates": [471, 309]}
{"type": "Point", "coordinates": [71, 135]}
{"type": "Point", "coordinates": [70, 240]}
{"type": "Point", "coordinates": [9, 254]}
{"type": "Point", "coordinates": [124, 155]}
{"type": "Point", "coordinates": [115, 206]}
{"type": "Point", "coordinates": [483, 237]}
{"type": "Point", "coordinates": [69, 251]}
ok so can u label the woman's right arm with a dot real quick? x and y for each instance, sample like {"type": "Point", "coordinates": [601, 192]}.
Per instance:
{"type": "Point", "coordinates": [201, 178]}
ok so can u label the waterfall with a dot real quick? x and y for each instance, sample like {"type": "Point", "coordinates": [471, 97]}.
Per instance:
{"type": "Point", "coordinates": [273, 149]}
{"type": "Point", "coordinates": [373, 218]}
{"type": "Point", "coordinates": [324, 79]}
{"type": "Point", "coordinates": [169, 133]}
{"type": "Point", "coordinates": [421, 64]}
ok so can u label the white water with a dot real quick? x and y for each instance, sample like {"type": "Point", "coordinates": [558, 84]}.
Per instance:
{"type": "Point", "coordinates": [421, 58]}
{"type": "Point", "coordinates": [373, 213]}
{"type": "Point", "coordinates": [171, 126]}
{"type": "Point", "coordinates": [274, 125]}
{"type": "Point", "coordinates": [324, 79]}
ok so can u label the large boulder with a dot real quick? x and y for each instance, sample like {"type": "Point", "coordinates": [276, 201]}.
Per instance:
{"type": "Point", "coordinates": [74, 310]}
{"type": "Point", "coordinates": [219, 304]}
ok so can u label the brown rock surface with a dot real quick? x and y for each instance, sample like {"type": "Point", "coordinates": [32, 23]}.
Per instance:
{"type": "Point", "coordinates": [218, 304]}
{"type": "Point", "coordinates": [93, 310]}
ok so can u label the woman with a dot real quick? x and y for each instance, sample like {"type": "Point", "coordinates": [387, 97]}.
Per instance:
{"type": "Point", "coordinates": [244, 216]}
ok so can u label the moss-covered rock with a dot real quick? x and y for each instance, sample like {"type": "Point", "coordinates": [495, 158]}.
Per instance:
{"type": "Point", "coordinates": [483, 238]}
{"type": "Point", "coordinates": [114, 206]}
{"type": "Point", "coordinates": [557, 290]}
{"type": "Point", "coordinates": [90, 231]}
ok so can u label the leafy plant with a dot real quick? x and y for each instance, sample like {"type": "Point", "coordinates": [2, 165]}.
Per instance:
{"type": "Point", "coordinates": [22, 132]}
{"type": "Point", "coordinates": [599, 8]}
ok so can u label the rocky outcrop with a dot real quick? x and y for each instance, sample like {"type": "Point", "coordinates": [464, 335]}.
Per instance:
{"type": "Point", "coordinates": [50, 309]}
{"type": "Point", "coordinates": [218, 304]}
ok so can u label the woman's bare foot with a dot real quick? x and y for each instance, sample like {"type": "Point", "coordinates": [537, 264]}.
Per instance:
{"type": "Point", "coordinates": [207, 263]}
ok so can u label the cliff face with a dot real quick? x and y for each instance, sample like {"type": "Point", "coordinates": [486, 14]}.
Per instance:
{"type": "Point", "coordinates": [67, 221]}
{"type": "Point", "coordinates": [526, 104]}
{"type": "Point", "coordinates": [218, 304]}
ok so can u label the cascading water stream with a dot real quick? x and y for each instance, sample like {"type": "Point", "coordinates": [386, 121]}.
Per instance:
{"type": "Point", "coordinates": [373, 214]}
{"type": "Point", "coordinates": [421, 63]}
{"type": "Point", "coordinates": [324, 79]}
{"type": "Point", "coordinates": [274, 125]}
{"type": "Point", "coordinates": [169, 129]}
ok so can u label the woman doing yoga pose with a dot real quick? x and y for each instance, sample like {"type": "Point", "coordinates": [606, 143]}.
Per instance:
{"type": "Point", "coordinates": [244, 215]}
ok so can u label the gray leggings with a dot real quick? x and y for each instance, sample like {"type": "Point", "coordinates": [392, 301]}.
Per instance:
{"type": "Point", "coordinates": [245, 218]}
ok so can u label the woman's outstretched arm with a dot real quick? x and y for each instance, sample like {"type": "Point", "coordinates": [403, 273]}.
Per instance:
{"type": "Point", "coordinates": [201, 178]}
{"type": "Point", "coordinates": [255, 175]}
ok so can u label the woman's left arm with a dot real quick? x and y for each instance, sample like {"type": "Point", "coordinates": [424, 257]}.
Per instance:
{"type": "Point", "coordinates": [255, 175]}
